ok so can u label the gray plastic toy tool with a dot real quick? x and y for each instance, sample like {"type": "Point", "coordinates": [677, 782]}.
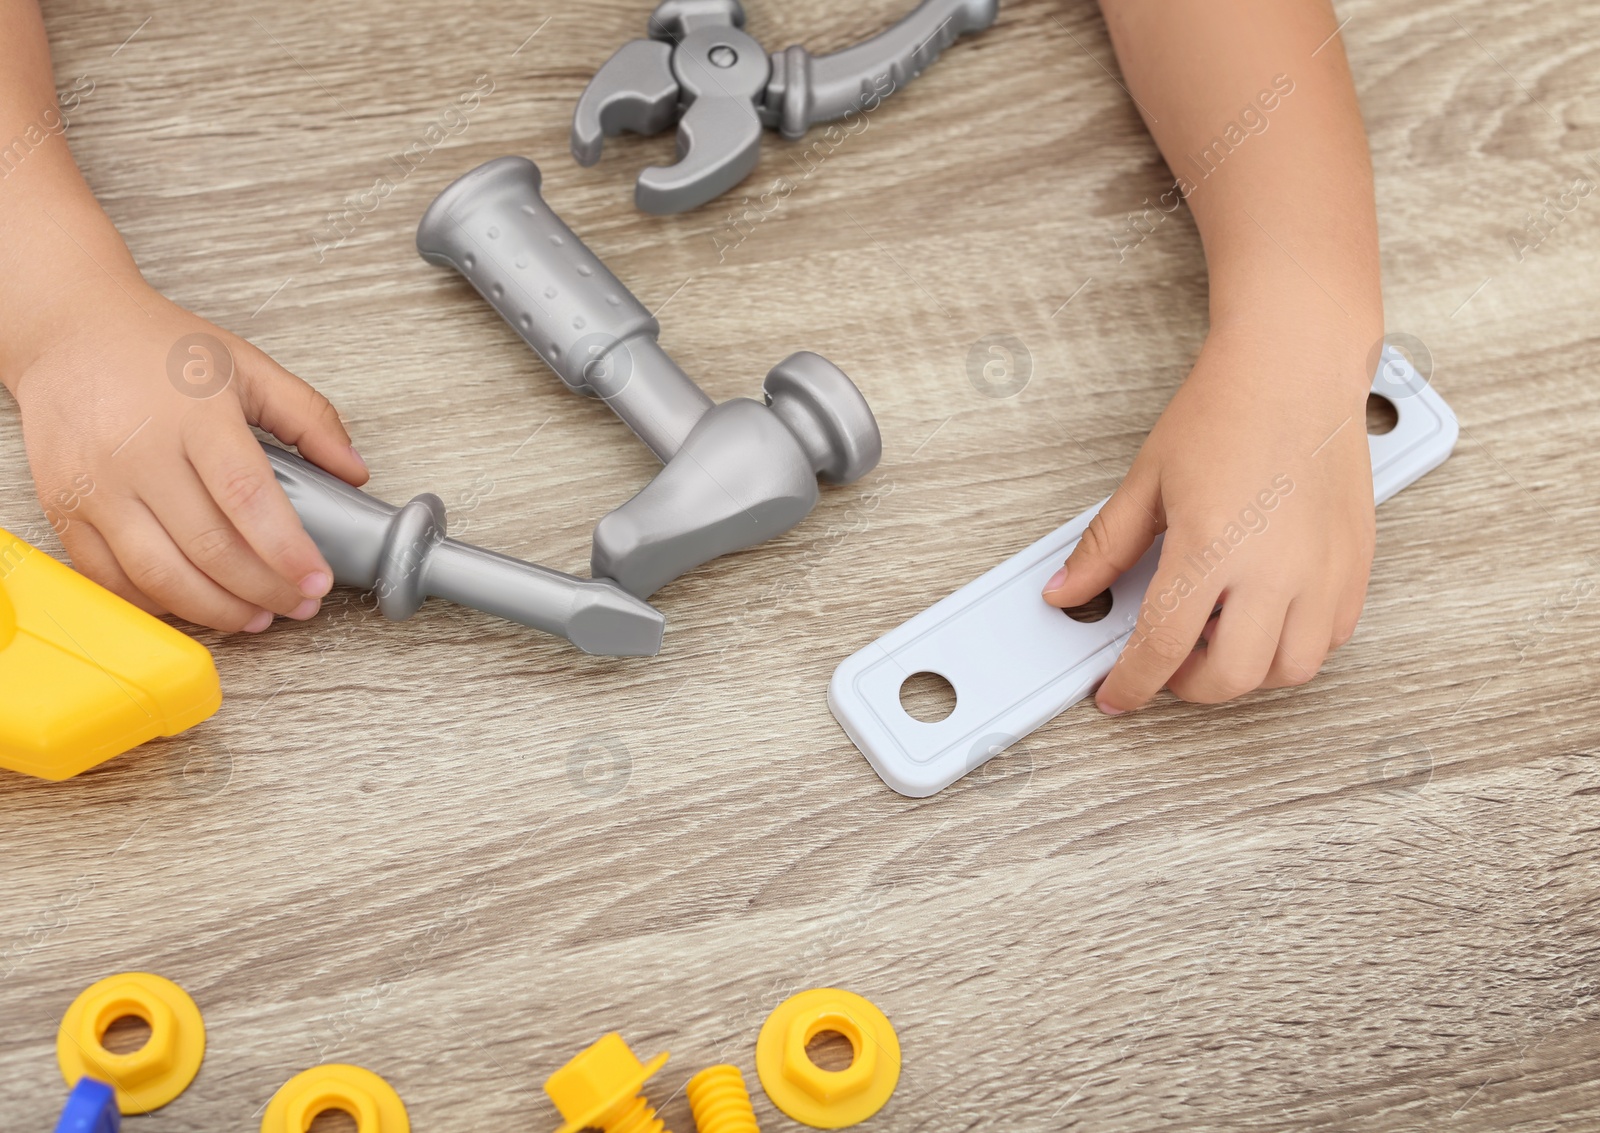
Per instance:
{"type": "Point", "coordinates": [700, 70]}
{"type": "Point", "coordinates": [403, 555]}
{"type": "Point", "coordinates": [1015, 662]}
{"type": "Point", "coordinates": [737, 473]}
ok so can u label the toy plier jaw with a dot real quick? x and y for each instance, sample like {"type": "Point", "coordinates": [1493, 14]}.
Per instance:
{"type": "Point", "coordinates": [698, 69]}
{"type": "Point", "coordinates": [674, 19]}
{"type": "Point", "coordinates": [719, 143]}
{"type": "Point", "coordinates": [701, 69]}
{"type": "Point", "coordinates": [635, 90]}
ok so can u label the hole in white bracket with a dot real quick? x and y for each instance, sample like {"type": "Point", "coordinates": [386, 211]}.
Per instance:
{"type": "Point", "coordinates": [1382, 416]}
{"type": "Point", "coordinates": [927, 697]}
{"type": "Point", "coordinates": [1094, 610]}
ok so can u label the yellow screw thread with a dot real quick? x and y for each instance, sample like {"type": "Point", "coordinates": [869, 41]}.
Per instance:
{"type": "Point", "coordinates": [720, 1102]}
{"type": "Point", "coordinates": [633, 1116]}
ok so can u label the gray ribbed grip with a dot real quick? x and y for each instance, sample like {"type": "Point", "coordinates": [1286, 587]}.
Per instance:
{"type": "Point", "coordinates": [492, 226]}
{"type": "Point", "coordinates": [807, 89]}
{"type": "Point", "coordinates": [736, 474]}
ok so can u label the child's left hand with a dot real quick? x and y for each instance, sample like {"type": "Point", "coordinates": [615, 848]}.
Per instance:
{"type": "Point", "coordinates": [1260, 475]}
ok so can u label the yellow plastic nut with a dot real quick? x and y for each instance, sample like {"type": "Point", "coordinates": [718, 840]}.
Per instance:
{"type": "Point", "coordinates": [720, 1102]}
{"type": "Point", "coordinates": [367, 1098]}
{"type": "Point", "coordinates": [86, 675]}
{"type": "Point", "coordinates": [157, 1072]}
{"type": "Point", "coordinates": [600, 1087]}
{"type": "Point", "coordinates": [828, 1099]}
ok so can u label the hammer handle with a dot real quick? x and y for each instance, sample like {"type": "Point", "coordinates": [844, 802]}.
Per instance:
{"type": "Point", "coordinates": [493, 227]}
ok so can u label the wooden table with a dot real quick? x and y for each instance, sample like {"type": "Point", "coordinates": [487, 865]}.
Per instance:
{"type": "Point", "coordinates": [455, 852]}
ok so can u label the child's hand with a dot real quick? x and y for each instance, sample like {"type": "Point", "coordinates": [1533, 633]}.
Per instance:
{"type": "Point", "coordinates": [136, 413]}
{"type": "Point", "coordinates": [136, 417]}
{"type": "Point", "coordinates": [1259, 473]}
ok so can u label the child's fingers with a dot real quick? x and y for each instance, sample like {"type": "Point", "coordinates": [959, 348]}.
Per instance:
{"type": "Point", "coordinates": [291, 410]}
{"type": "Point", "coordinates": [1121, 531]}
{"type": "Point", "coordinates": [1304, 646]}
{"type": "Point", "coordinates": [153, 563]}
{"type": "Point", "coordinates": [236, 473]}
{"type": "Point", "coordinates": [92, 557]}
{"type": "Point", "coordinates": [1239, 653]}
{"type": "Point", "coordinates": [183, 506]}
{"type": "Point", "coordinates": [1348, 613]}
{"type": "Point", "coordinates": [1171, 618]}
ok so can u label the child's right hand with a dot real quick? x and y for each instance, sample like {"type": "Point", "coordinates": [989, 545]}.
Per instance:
{"type": "Point", "coordinates": [136, 418]}
{"type": "Point", "coordinates": [136, 413]}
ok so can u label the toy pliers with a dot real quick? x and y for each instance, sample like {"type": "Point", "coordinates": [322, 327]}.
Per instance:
{"type": "Point", "coordinates": [699, 70]}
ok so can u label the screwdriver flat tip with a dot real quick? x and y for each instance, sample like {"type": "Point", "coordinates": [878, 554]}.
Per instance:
{"type": "Point", "coordinates": [608, 621]}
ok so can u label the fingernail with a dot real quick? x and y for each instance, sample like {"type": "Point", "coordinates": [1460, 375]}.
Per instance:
{"type": "Point", "coordinates": [258, 623]}
{"type": "Point", "coordinates": [1107, 709]}
{"type": "Point", "coordinates": [359, 459]}
{"type": "Point", "coordinates": [316, 584]}
{"type": "Point", "coordinates": [306, 610]}
{"type": "Point", "coordinates": [1057, 580]}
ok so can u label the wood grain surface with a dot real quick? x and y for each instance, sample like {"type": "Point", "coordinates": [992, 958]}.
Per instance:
{"type": "Point", "coordinates": [455, 852]}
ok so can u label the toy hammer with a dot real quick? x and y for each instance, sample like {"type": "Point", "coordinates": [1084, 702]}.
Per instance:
{"type": "Point", "coordinates": [737, 473]}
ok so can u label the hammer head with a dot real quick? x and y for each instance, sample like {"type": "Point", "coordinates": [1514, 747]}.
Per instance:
{"type": "Point", "coordinates": [746, 472]}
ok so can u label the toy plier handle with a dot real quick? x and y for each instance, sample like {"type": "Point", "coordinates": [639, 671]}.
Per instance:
{"type": "Point", "coordinates": [805, 89]}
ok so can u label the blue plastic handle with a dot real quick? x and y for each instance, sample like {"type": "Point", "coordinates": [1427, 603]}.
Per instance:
{"type": "Point", "coordinates": [91, 1108]}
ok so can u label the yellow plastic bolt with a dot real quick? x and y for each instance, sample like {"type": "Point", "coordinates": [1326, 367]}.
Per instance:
{"type": "Point", "coordinates": [600, 1088]}
{"type": "Point", "coordinates": [720, 1102]}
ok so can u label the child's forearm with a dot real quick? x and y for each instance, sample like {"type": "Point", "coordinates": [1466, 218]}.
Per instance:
{"type": "Point", "coordinates": [58, 250]}
{"type": "Point", "coordinates": [1263, 134]}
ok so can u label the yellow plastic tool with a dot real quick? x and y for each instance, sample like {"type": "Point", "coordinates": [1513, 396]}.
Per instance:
{"type": "Point", "coordinates": [157, 1072]}
{"type": "Point", "coordinates": [599, 1089]}
{"type": "Point", "coordinates": [366, 1097]}
{"type": "Point", "coordinates": [84, 675]}
{"type": "Point", "coordinates": [827, 1099]}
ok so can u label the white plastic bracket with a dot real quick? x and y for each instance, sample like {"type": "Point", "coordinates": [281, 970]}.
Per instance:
{"type": "Point", "coordinates": [1016, 662]}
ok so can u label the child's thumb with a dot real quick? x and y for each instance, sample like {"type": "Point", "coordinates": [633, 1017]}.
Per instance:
{"type": "Point", "coordinates": [1121, 531]}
